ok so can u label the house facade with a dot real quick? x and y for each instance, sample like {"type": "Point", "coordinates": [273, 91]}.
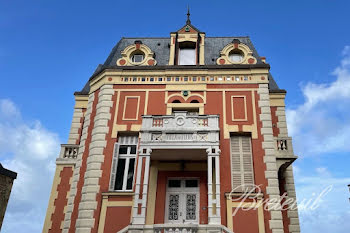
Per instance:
{"type": "Point", "coordinates": [184, 133]}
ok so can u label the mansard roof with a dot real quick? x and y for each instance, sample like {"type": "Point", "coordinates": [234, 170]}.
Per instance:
{"type": "Point", "coordinates": [161, 48]}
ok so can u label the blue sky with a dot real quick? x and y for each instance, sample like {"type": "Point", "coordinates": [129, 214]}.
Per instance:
{"type": "Point", "coordinates": [49, 49]}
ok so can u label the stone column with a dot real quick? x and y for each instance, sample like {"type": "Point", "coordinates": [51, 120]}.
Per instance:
{"type": "Point", "coordinates": [272, 189]}
{"type": "Point", "coordinates": [141, 187]}
{"type": "Point", "coordinates": [214, 216]}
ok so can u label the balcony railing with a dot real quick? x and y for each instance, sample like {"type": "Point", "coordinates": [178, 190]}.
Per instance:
{"type": "Point", "coordinates": [68, 152]}
{"type": "Point", "coordinates": [180, 121]}
{"type": "Point", "coordinates": [180, 127]}
{"type": "Point", "coordinates": [283, 146]}
{"type": "Point", "coordinates": [176, 228]}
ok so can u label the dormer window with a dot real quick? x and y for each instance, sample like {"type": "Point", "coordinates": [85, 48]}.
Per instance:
{"type": "Point", "coordinates": [187, 53]}
{"type": "Point", "coordinates": [137, 56]}
{"type": "Point", "coordinates": [236, 56]}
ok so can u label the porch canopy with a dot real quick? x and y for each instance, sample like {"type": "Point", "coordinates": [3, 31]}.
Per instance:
{"type": "Point", "coordinates": [180, 136]}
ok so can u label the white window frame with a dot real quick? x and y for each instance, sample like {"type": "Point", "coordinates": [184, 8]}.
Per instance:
{"type": "Point", "coordinates": [187, 56]}
{"type": "Point", "coordinates": [123, 141]}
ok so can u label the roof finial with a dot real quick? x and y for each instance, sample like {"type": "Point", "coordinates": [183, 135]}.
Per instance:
{"type": "Point", "coordinates": [188, 21]}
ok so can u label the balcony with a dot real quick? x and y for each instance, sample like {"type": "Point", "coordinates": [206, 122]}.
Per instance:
{"type": "Point", "coordinates": [284, 147]}
{"type": "Point", "coordinates": [180, 129]}
{"type": "Point", "coordinates": [68, 154]}
{"type": "Point", "coordinates": [176, 228]}
{"type": "Point", "coordinates": [284, 151]}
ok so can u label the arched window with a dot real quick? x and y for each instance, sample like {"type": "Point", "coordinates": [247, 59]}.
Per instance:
{"type": "Point", "coordinates": [176, 101]}
{"type": "Point", "coordinates": [194, 101]}
{"type": "Point", "coordinates": [236, 56]}
{"type": "Point", "coordinates": [137, 56]}
{"type": "Point", "coordinates": [187, 53]}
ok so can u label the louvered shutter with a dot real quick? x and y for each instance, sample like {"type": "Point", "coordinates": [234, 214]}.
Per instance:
{"type": "Point", "coordinates": [236, 163]}
{"type": "Point", "coordinates": [241, 163]}
{"type": "Point", "coordinates": [114, 166]}
{"type": "Point", "coordinates": [247, 160]}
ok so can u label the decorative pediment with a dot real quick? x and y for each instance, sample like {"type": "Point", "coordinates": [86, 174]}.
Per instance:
{"type": "Point", "coordinates": [137, 54]}
{"type": "Point", "coordinates": [236, 53]}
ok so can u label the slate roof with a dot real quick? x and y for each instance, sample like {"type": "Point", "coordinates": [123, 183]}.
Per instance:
{"type": "Point", "coordinates": [161, 48]}
{"type": "Point", "coordinates": [8, 173]}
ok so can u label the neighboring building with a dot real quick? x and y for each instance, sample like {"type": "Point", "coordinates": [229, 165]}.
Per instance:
{"type": "Point", "coordinates": [6, 182]}
{"type": "Point", "coordinates": [162, 133]}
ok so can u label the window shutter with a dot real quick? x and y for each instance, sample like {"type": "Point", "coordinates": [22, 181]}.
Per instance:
{"type": "Point", "coordinates": [236, 163]}
{"type": "Point", "coordinates": [247, 161]}
{"type": "Point", "coordinates": [241, 162]}
{"type": "Point", "coordinates": [114, 166]}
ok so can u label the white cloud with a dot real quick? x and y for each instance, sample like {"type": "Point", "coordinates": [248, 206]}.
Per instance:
{"type": "Point", "coordinates": [8, 108]}
{"type": "Point", "coordinates": [333, 213]}
{"type": "Point", "coordinates": [30, 150]}
{"type": "Point", "coordinates": [322, 124]}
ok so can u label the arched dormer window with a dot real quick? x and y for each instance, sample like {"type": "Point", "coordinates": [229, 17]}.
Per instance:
{"type": "Point", "coordinates": [137, 56]}
{"type": "Point", "coordinates": [187, 53]}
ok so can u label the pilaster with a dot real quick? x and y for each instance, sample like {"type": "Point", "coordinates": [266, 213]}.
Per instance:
{"type": "Point", "coordinates": [276, 223]}
{"type": "Point", "coordinates": [91, 187]}
{"type": "Point", "coordinates": [75, 126]}
{"type": "Point", "coordinates": [76, 172]}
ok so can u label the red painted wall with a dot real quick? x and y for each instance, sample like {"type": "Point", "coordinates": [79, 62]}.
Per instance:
{"type": "Point", "coordinates": [156, 106]}
{"type": "Point", "coordinates": [245, 221]}
{"type": "Point", "coordinates": [117, 218]}
{"type": "Point", "coordinates": [61, 201]}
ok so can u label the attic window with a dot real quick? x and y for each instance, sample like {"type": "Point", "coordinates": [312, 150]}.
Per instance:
{"type": "Point", "coordinates": [137, 56]}
{"type": "Point", "coordinates": [236, 56]}
{"type": "Point", "coordinates": [187, 53]}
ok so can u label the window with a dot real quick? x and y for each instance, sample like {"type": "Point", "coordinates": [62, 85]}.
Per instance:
{"type": "Point", "coordinates": [241, 163]}
{"type": "Point", "coordinates": [187, 53]}
{"type": "Point", "coordinates": [176, 101]}
{"type": "Point", "coordinates": [189, 111]}
{"type": "Point", "coordinates": [137, 56]}
{"type": "Point", "coordinates": [123, 165]}
{"type": "Point", "coordinates": [236, 56]}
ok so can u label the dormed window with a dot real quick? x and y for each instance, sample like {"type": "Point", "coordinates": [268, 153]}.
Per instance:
{"type": "Point", "coordinates": [187, 53]}
{"type": "Point", "coordinates": [236, 56]}
{"type": "Point", "coordinates": [123, 164]}
{"type": "Point", "coordinates": [241, 163]}
{"type": "Point", "coordinates": [137, 56]}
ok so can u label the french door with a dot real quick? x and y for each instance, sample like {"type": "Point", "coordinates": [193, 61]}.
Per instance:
{"type": "Point", "coordinates": [182, 201]}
